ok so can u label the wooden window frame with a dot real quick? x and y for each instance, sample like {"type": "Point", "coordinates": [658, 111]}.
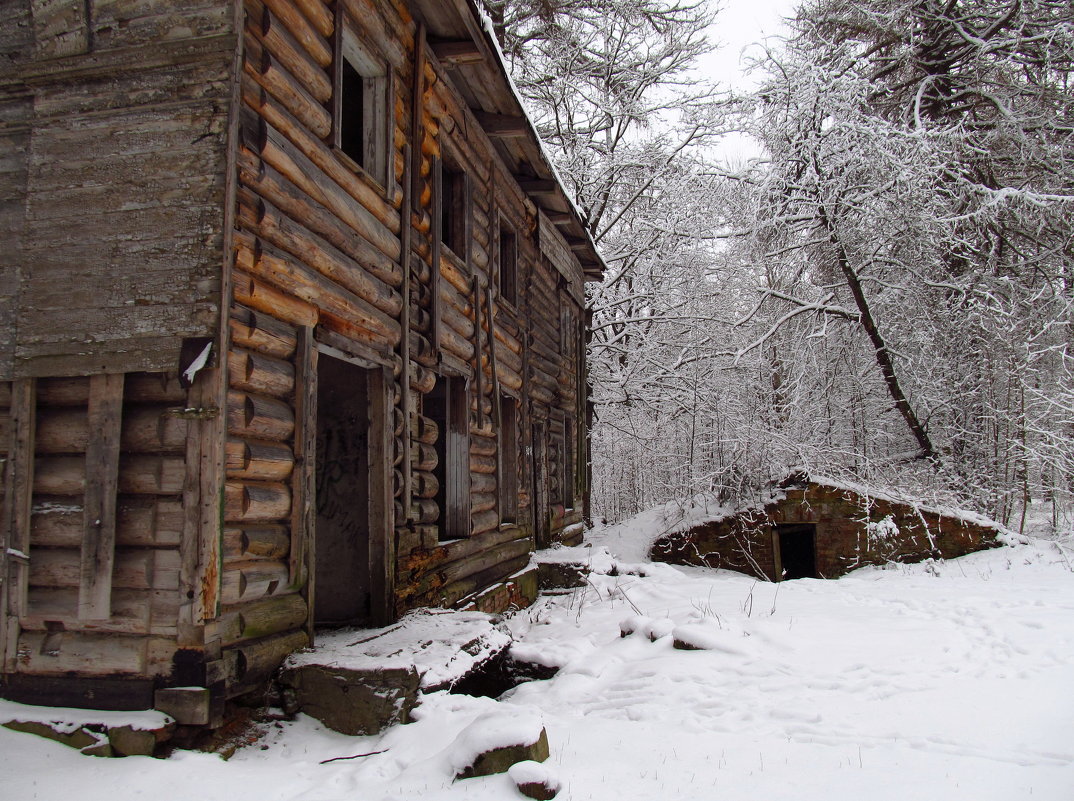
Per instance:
{"type": "Point", "coordinates": [454, 210]}
{"type": "Point", "coordinates": [454, 522]}
{"type": "Point", "coordinates": [376, 137]}
{"type": "Point", "coordinates": [509, 459]}
{"type": "Point", "coordinates": [507, 263]}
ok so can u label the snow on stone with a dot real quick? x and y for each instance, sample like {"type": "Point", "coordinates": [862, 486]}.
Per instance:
{"type": "Point", "coordinates": [67, 719]}
{"type": "Point", "coordinates": [442, 645]}
{"type": "Point", "coordinates": [945, 681]}
{"type": "Point", "coordinates": [530, 772]}
{"type": "Point", "coordinates": [513, 725]}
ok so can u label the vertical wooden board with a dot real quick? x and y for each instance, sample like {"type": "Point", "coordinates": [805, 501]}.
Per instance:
{"type": "Point", "coordinates": [381, 516]}
{"type": "Point", "coordinates": [15, 529]}
{"type": "Point", "coordinates": [99, 505]}
{"type": "Point", "coordinates": [303, 485]}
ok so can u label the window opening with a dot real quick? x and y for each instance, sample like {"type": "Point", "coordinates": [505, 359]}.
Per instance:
{"type": "Point", "coordinates": [508, 277]}
{"type": "Point", "coordinates": [508, 459]}
{"type": "Point", "coordinates": [361, 107]}
{"type": "Point", "coordinates": [447, 406]}
{"type": "Point", "coordinates": [454, 208]}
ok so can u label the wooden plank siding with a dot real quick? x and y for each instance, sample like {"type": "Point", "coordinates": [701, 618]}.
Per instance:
{"type": "Point", "coordinates": [186, 176]}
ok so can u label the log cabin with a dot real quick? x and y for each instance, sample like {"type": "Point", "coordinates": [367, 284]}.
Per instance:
{"type": "Point", "coordinates": [291, 336]}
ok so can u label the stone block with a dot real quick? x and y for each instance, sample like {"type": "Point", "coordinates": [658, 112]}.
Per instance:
{"type": "Point", "coordinates": [561, 575]}
{"type": "Point", "coordinates": [534, 780]}
{"type": "Point", "coordinates": [500, 760]}
{"type": "Point", "coordinates": [353, 701]}
{"type": "Point", "coordinates": [190, 706]}
{"type": "Point", "coordinates": [60, 732]}
{"type": "Point", "coordinates": [128, 741]}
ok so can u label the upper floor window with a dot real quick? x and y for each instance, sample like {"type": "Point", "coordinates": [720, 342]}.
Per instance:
{"type": "Point", "coordinates": [361, 122]}
{"type": "Point", "coordinates": [508, 275]}
{"type": "Point", "coordinates": [454, 202]}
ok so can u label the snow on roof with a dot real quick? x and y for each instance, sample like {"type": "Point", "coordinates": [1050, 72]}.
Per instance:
{"type": "Point", "coordinates": [921, 505]}
{"type": "Point", "coordinates": [489, 28]}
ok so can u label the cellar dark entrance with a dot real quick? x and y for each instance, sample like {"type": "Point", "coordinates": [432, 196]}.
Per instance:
{"type": "Point", "coordinates": [343, 587]}
{"type": "Point", "coordinates": [797, 550]}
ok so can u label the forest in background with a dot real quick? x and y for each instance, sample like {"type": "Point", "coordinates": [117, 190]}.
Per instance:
{"type": "Point", "coordinates": [884, 293]}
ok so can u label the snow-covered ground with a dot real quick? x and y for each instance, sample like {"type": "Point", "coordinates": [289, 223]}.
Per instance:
{"type": "Point", "coordinates": [935, 681]}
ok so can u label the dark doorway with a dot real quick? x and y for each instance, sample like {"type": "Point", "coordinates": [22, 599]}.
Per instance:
{"type": "Point", "coordinates": [797, 550]}
{"type": "Point", "coordinates": [342, 582]}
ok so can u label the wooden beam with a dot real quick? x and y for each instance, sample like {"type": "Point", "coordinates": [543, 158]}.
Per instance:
{"type": "Point", "coordinates": [502, 125]}
{"type": "Point", "coordinates": [455, 52]}
{"type": "Point", "coordinates": [303, 485]}
{"type": "Point", "coordinates": [102, 481]}
{"type": "Point", "coordinates": [15, 529]}
{"type": "Point", "coordinates": [559, 218]}
{"type": "Point", "coordinates": [537, 186]}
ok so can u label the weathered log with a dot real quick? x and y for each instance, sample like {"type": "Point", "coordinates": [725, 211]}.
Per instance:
{"type": "Point", "coordinates": [62, 392]}
{"type": "Point", "coordinates": [248, 501]}
{"type": "Point", "coordinates": [153, 388]}
{"type": "Point", "coordinates": [252, 579]}
{"type": "Point", "coordinates": [253, 415]}
{"type": "Point", "coordinates": [424, 429]}
{"type": "Point", "coordinates": [425, 484]}
{"type": "Point", "coordinates": [319, 15]}
{"type": "Point", "coordinates": [262, 332]}
{"type": "Point", "coordinates": [421, 379]}
{"type": "Point", "coordinates": [257, 660]}
{"type": "Point", "coordinates": [482, 502]}
{"type": "Point", "coordinates": [482, 444]}
{"type": "Point", "coordinates": [324, 257]}
{"type": "Point", "coordinates": [258, 460]}
{"type": "Point", "coordinates": [151, 475]}
{"type": "Point", "coordinates": [451, 314]}
{"type": "Point", "coordinates": [138, 569]}
{"type": "Point", "coordinates": [423, 456]}
{"type": "Point", "coordinates": [421, 350]}
{"type": "Point", "coordinates": [303, 31]}
{"type": "Point", "coordinates": [482, 464]}
{"type": "Point", "coordinates": [288, 146]}
{"type": "Point", "coordinates": [424, 510]}
{"type": "Point", "coordinates": [455, 272]}
{"type": "Point", "coordinates": [140, 521]}
{"type": "Point", "coordinates": [131, 611]}
{"type": "Point", "coordinates": [257, 372]}
{"type": "Point", "coordinates": [482, 482]}
{"type": "Point", "coordinates": [455, 343]}
{"type": "Point", "coordinates": [480, 522]}
{"type": "Point", "coordinates": [260, 542]}
{"type": "Point", "coordinates": [61, 430]}
{"type": "Point", "coordinates": [267, 71]}
{"type": "Point", "coordinates": [258, 295]}
{"type": "Point", "coordinates": [260, 618]}
{"type": "Point", "coordinates": [291, 276]}
{"type": "Point", "coordinates": [277, 39]}
{"type": "Point", "coordinates": [453, 593]}
{"type": "Point", "coordinates": [341, 225]}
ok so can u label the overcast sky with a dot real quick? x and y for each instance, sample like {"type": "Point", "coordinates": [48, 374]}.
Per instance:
{"type": "Point", "coordinates": [740, 24]}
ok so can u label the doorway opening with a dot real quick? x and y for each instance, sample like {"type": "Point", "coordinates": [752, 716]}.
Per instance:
{"type": "Point", "coordinates": [343, 585]}
{"type": "Point", "coordinates": [797, 550]}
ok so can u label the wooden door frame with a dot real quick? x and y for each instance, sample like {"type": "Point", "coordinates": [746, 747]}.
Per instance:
{"type": "Point", "coordinates": [381, 508]}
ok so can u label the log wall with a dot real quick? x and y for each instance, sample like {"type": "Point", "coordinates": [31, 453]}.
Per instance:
{"type": "Point", "coordinates": [179, 174]}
